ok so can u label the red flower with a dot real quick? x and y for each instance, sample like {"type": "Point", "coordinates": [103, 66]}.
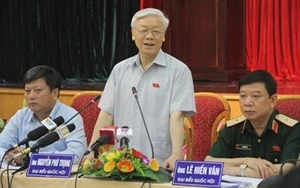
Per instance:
{"type": "Point", "coordinates": [120, 148]}
{"type": "Point", "coordinates": [137, 154]}
{"type": "Point", "coordinates": [96, 163]}
{"type": "Point", "coordinates": [125, 166]}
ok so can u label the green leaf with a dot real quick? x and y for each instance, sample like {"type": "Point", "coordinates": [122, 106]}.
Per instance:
{"type": "Point", "coordinates": [163, 175]}
{"type": "Point", "coordinates": [100, 173]}
{"type": "Point", "coordinates": [124, 176]}
{"type": "Point", "coordinates": [147, 174]}
{"type": "Point", "coordinates": [160, 176]}
{"type": "Point", "coordinates": [141, 172]}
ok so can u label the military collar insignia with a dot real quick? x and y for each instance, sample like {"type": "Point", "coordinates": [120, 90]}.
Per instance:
{"type": "Point", "coordinates": [275, 126]}
{"type": "Point", "coordinates": [235, 121]}
{"type": "Point", "coordinates": [286, 120]}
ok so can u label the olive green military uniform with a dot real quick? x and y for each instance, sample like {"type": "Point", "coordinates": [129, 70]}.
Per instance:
{"type": "Point", "coordinates": [279, 142]}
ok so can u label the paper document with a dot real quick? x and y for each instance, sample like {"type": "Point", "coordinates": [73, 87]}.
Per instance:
{"type": "Point", "coordinates": [236, 185]}
{"type": "Point", "coordinates": [238, 179]}
{"type": "Point", "coordinates": [11, 167]}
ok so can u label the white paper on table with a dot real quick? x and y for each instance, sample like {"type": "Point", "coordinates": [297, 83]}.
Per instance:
{"type": "Point", "coordinates": [229, 185]}
{"type": "Point", "coordinates": [11, 167]}
{"type": "Point", "coordinates": [238, 179]}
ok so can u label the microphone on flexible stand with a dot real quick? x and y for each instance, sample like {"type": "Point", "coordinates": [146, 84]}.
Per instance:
{"type": "Point", "coordinates": [135, 94]}
{"type": "Point", "coordinates": [43, 142]}
{"type": "Point", "coordinates": [272, 181]}
{"type": "Point", "coordinates": [37, 133]}
{"type": "Point", "coordinates": [25, 164]}
{"type": "Point", "coordinates": [107, 136]}
{"type": "Point", "coordinates": [107, 130]}
{"type": "Point", "coordinates": [165, 171]}
{"type": "Point", "coordinates": [95, 99]}
{"type": "Point", "coordinates": [47, 140]}
{"type": "Point", "coordinates": [48, 125]}
{"type": "Point", "coordinates": [103, 139]}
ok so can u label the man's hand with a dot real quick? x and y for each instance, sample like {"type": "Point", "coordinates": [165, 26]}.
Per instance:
{"type": "Point", "coordinates": [89, 157]}
{"type": "Point", "coordinates": [11, 154]}
{"type": "Point", "coordinates": [169, 164]}
{"type": "Point", "coordinates": [262, 166]}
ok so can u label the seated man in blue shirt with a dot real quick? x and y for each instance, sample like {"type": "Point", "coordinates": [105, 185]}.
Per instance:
{"type": "Point", "coordinates": [42, 86]}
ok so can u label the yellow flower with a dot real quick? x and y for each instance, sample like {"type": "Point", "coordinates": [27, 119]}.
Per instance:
{"type": "Point", "coordinates": [125, 166]}
{"type": "Point", "coordinates": [113, 155]}
{"type": "Point", "coordinates": [154, 165]}
{"type": "Point", "coordinates": [105, 148]}
{"type": "Point", "coordinates": [109, 166]}
{"type": "Point", "coordinates": [118, 154]}
{"type": "Point", "coordinates": [87, 165]}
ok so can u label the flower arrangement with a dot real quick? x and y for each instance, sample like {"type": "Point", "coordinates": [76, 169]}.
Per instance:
{"type": "Point", "coordinates": [2, 123]}
{"type": "Point", "coordinates": [123, 164]}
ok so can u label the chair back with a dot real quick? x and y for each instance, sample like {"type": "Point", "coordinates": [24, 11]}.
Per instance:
{"type": "Point", "coordinates": [90, 114]}
{"type": "Point", "coordinates": [212, 110]}
{"type": "Point", "coordinates": [188, 137]}
{"type": "Point", "coordinates": [289, 106]}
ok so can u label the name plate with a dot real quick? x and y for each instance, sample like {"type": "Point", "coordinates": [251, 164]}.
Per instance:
{"type": "Point", "coordinates": [198, 173]}
{"type": "Point", "coordinates": [50, 165]}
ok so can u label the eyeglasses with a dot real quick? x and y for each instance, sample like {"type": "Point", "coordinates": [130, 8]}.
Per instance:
{"type": "Point", "coordinates": [154, 32]}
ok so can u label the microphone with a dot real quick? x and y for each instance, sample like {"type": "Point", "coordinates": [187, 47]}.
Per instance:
{"type": "Point", "coordinates": [49, 125]}
{"type": "Point", "coordinates": [104, 139]}
{"type": "Point", "coordinates": [272, 181]}
{"type": "Point", "coordinates": [107, 137]}
{"type": "Point", "coordinates": [124, 135]}
{"type": "Point", "coordinates": [48, 139]}
{"type": "Point", "coordinates": [141, 112]}
{"type": "Point", "coordinates": [95, 99]}
{"type": "Point", "coordinates": [110, 131]}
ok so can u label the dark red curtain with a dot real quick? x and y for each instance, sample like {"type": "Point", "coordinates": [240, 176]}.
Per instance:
{"type": "Point", "coordinates": [273, 37]}
{"type": "Point", "coordinates": [151, 4]}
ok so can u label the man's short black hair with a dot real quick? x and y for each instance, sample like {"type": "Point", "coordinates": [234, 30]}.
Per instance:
{"type": "Point", "coordinates": [50, 75]}
{"type": "Point", "coordinates": [260, 76]}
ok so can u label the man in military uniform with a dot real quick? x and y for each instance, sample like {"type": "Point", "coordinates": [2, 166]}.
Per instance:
{"type": "Point", "coordinates": [257, 143]}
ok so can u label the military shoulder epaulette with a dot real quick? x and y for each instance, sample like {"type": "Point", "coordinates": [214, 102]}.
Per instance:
{"type": "Point", "coordinates": [235, 121]}
{"type": "Point", "coordinates": [286, 120]}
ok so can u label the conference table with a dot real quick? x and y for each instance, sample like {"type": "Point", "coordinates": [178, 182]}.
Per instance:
{"type": "Point", "coordinates": [20, 180]}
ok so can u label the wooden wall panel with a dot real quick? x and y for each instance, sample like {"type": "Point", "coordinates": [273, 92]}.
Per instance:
{"type": "Point", "coordinates": [11, 101]}
{"type": "Point", "coordinates": [208, 35]}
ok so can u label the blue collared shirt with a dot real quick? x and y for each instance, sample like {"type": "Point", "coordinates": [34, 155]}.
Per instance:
{"type": "Point", "coordinates": [25, 121]}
